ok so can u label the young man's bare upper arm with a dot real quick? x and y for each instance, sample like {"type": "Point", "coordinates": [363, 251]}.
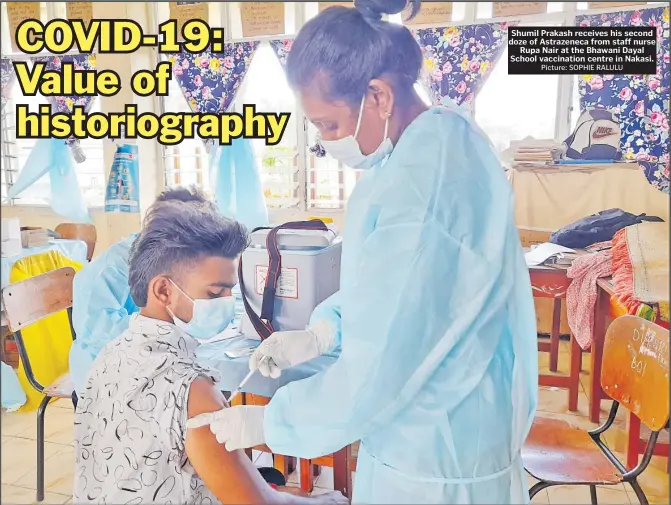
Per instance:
{"type": "Point", "coordinates": [231, 476]}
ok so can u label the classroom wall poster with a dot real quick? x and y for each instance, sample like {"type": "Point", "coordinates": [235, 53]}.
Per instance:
{"type": "Point", "coordinates": [505, 9]}
{"type": "Point", "coordinates": [431, 13]}
{"type": "Point", "coordinates": [609, 5]}
{"type": "Point", "coordinates": [186, 11]}
{"type": "Point", "coordinates": [123, 185]}
{"type": "Point", "coordinates": [79, 10]}
{"type": "Point", "coordinates": [262, 18]}
{"type": "Point", "coordinates": [18, 12]}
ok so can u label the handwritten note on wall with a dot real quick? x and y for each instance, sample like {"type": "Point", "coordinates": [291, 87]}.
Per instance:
{"type": "Point", "coordinates": [18, 12]}
{"type": "Point", "coordinates": [504, 9]}
{"type": "Point", "coordinates": [608, 5]}
{"type": "Point", "coordinates": [262, 18]}
{"type": "Point", "coordinates": [326, 5]}
{"type": "Point", "coordinates": [79, 10]}
{"type": "Point", "coordinates": [431, 13]}
{"type": "Point", "coordinates": [186, 11]}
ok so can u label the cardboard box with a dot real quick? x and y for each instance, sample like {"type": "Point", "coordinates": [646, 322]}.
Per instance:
{"type": "Point", "coordinates": [34, 237]}
{"type": "Point", "coordinates": [533, 236]}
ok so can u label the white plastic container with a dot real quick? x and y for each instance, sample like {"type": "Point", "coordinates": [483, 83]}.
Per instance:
{"type": "Point", "coordinates": [11, 228]}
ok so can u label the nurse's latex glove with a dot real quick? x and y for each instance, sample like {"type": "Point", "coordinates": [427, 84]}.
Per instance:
{"type": "Point", "coordinates": [238, 427]}
{"type": "Point", "coordinates": [286, 349]}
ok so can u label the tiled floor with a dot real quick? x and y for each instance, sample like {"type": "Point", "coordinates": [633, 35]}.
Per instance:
{"type": "Point", "coordinates": [18, 455]}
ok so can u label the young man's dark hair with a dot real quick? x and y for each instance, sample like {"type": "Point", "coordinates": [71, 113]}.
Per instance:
{"type": "Point", "coordinates": [183, 194]}
{"type": "Point", "coordinates": [177, 232]}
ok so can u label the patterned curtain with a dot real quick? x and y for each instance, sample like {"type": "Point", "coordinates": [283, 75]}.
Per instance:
{"type": "Point", "coordinates": [65, 104]}
{"type": "Point", "coordinates": [281, 48]}
{"type": "Point", "coordinates": [640, 101]}
{"type": "Point", "coordinates": [209, 82]}
{"type": "Point", "coordinates": [8, 78]}
{"type": "Point", "coordinates": [458, 59]}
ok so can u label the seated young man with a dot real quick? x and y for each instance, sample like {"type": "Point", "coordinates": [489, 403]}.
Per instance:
{"type": "Point", "coordinates": [131, 439]}
{"type": "Point", "coordinates": [102, 303]}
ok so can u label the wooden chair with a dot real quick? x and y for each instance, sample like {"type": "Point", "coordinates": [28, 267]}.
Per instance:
{"type": "Point", "coordinates": [84, 232]}
{"type": "Point", "coordinates": [25, 303]}
{"type": "Point", "coordinates": [635, 373]}
{"type": "Point", "coordinates": [553, 283]}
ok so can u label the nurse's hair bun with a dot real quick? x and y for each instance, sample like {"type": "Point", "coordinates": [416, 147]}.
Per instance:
{"type": "Point", "coordinates": [373, 10]}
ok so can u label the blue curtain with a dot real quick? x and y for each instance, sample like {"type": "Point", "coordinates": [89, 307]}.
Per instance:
{"type": "Point", "coordinates": [209, 82]}
{"type": "Point", "coordinates": [640, 101]}
{"type": "Point", "coordinates": [56, 156]}
{"type": "Point", "coordinates": [458, 59]}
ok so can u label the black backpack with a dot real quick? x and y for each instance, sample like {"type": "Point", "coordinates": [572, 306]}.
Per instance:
{"type": "Point", "coordinates": [597, 228]}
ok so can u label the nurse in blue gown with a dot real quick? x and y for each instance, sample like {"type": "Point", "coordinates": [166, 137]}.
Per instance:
{"type": "Point", "coordinates": [102, 304]}
{"type": "Point", "coordinates": [438, 371]}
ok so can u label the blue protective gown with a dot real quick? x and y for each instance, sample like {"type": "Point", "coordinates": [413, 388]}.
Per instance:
{"type": "Point", "coordinates": [101, 308]}
{"type": "Point", "coordinates": [438, 372]}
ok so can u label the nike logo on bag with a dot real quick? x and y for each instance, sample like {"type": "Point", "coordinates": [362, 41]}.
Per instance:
{"type": "Point", "coordinates": [602, 132]}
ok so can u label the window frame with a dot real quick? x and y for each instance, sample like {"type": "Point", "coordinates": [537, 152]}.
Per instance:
{"type": "Point", "coordinates": [564, 113]}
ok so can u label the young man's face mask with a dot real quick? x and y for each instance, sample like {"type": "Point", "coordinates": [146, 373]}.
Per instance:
{"type": "Point", "coordinates": [210, 316]}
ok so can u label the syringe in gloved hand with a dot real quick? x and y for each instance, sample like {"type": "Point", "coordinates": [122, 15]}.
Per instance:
{"type": "Point", "coordinates": [237, 390]}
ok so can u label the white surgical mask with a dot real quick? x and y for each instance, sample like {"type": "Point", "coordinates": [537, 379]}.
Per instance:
{"type": "Point", "coordinates": [210, 317]}
{"type": "Point", "coordinates": [347, 150]}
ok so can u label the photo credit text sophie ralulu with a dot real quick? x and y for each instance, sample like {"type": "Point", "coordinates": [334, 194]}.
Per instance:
{"type": "Point", "coordinates": [615, 50]}
{"type": "Point", "coordinates": [61, 36]}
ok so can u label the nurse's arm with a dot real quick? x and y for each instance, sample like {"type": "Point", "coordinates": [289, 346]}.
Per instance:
{"type": "Point", "coordinates": [231, 476]}
{"type": "Point", "coordinates": [329, 310]}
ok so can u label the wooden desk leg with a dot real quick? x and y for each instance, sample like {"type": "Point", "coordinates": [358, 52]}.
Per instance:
{"type": "Point", "coordinates": [554, 336]}
{"type": "Point", "coordinates": [342, 477]}
{"type": "Point", "coordinates": [284, 464]}
{"type": "Point", "coordinates": [633, 440]}
{"type": "Point", "coordinates": [280, 463]}
{"type": "Point", "coordinates": [574, 374]}
{"type": "Point", "coordinates": [601, 311]}
{"type": "Point", "coordinates": [306, 471]}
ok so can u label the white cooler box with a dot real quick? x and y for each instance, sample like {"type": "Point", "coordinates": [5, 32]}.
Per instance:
{"type": "Point", "coordinates": [310, 273]}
